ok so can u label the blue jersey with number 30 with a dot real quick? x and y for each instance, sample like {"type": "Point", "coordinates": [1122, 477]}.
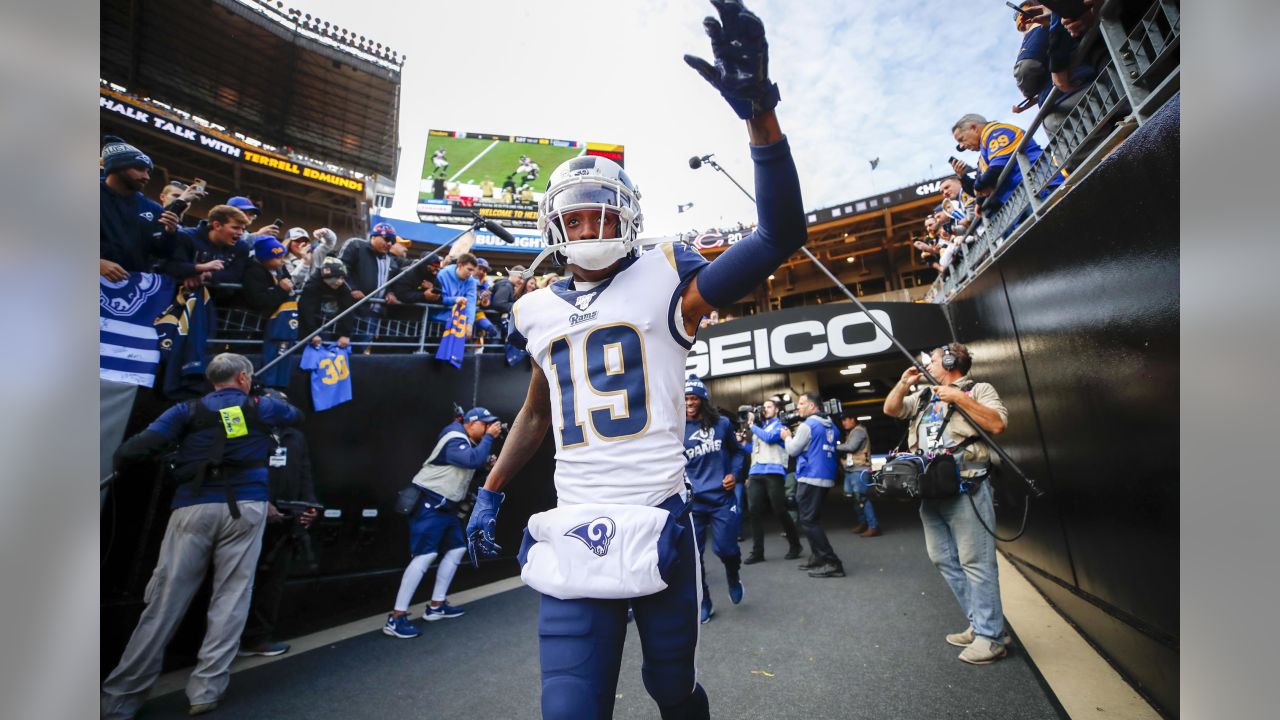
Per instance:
{"type": "Point", "coordinates": [614, 356]}
{"type": "Point", "coordinates": [330, 374]}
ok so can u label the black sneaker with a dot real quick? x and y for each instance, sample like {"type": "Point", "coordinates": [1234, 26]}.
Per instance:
{"type": "Point", "coordinates": [828, 570]}
{"type": "Point", "coordinates": [810, 564]}
{"type": "Point", "coordinates": [793, 553]}
{"type": "Point", "coordinates": [752, 559]}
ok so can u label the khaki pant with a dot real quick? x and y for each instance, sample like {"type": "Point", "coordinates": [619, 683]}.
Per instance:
{"type": "Point", "coordinates": [195, 535]}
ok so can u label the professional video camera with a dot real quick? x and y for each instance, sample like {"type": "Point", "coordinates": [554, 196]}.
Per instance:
{"type": "Point", "coordinates": [743, 410]}
{"type": "Point", "coordinates": [791, 417]}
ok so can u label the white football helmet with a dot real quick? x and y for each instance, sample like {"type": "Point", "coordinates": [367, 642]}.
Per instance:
{"type": "Point", "coordinates": [590, 183]}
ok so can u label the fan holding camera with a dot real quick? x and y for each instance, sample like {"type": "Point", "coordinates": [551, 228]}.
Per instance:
{"type": "Point", "coordinates": [958, 544]}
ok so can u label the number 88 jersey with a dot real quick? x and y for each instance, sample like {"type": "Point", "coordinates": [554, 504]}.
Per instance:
{"type": "Point", "coordinates": [614, 356]}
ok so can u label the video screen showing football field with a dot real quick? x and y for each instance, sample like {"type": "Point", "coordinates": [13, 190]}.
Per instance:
{"type": "Point", "coordinates": [472, 160]}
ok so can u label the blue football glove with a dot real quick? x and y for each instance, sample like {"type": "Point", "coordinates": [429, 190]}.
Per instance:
{"type": "Point", "coordinates": [481, 525]}
{"type": "Point", "coordinates": [741, 72]}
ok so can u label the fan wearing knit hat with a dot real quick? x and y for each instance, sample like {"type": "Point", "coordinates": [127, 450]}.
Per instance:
{"type": "Point", "coordinates": [134, 229]}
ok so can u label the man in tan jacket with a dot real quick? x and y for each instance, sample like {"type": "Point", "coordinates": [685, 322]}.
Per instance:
{"type": "Point", "coordinates": [958, 544]}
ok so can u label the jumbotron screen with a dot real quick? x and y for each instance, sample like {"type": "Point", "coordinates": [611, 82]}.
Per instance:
{"type": "Point", "coordinates": [501, 177]}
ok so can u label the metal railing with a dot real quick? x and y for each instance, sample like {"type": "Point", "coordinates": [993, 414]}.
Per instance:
{"type": "Point", "coordinates": [237, 325]}
{"type": "Point", "coordinates": [1141, 73]}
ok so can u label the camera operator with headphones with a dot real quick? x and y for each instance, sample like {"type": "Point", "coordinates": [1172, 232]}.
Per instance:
{"type": "Point", "coordinates": [958, 544]}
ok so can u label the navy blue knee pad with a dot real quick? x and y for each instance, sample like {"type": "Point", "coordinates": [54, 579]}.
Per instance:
{"type": "Point", "coordinates": [580, 650]}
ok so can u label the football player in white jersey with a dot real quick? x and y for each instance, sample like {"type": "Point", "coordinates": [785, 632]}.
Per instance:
{"type": "Point", "coordinates": [609, 347]}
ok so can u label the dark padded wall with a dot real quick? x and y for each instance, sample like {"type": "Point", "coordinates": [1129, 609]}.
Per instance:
{"type": "Point", "coordinates": [1077, 327]}
{"type": "Point", "coordinates": [362, 452]}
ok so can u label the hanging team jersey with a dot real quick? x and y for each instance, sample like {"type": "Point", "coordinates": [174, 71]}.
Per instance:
{"type": "Point", "coordinates": [614, 356]}
{"type": "Point", "coordinates": [330, 374]}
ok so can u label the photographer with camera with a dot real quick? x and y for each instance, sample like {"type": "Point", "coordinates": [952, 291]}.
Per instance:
{"type": "Point", "coordinates": [291, 510]}
{"type": "Point", "coordinates": [434, 527]}
{"type": "Point", "coordinates": [814, 443]}
{"type": "Point", "coordinates": [219, 509]}
{"type": "Point", "coordinates": [766, 479]}
{"type": "Point", "coordinates": [958, 544]}
{"type": "Point", "coordinates": [857, 463]}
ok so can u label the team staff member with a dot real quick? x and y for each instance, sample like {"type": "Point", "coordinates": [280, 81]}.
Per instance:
{"type": "Point", "coordinates": [218, 513]}
{"type": "Point", "coordinates": [814, 442]}
{"type": "Point", "coordinates": [711, 453]}
{"type": "Point", "coordinates": [958, 545]}
{"type": "Point", "coordinates": [434, 528]}
{"type": "Point", "coordinates": [857, 462]}
{"type": "Point", "coordinates": [766, 482]}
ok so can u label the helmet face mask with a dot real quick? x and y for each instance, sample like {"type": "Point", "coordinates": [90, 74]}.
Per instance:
{"type": "Point", "coordinates": [596, 185]}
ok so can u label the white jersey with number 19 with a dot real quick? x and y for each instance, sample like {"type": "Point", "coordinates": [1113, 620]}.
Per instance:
{"type": "Point", "coordinates": [614, 357]}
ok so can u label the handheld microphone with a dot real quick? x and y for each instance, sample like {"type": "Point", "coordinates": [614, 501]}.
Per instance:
{"type": "Point", "coordinates": [696, 162]}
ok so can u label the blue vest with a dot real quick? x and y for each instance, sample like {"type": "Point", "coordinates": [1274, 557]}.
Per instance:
{"type": "Point", "coordinates": [819, 459]}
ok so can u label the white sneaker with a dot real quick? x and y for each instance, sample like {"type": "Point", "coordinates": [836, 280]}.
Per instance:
{"type": "Point", "coordinates": [964, 639]}
{"type": "Point", "coordinates": [983, 652]}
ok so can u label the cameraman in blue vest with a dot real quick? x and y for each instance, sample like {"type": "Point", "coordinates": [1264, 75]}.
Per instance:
{"type": "Point", "coordinates": [219, 510]}
{"type": "Point", "coordinates": [814, 442]}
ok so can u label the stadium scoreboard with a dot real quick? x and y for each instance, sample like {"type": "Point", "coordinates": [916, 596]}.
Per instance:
{"type": "Point", "coordinates": [501, 177]}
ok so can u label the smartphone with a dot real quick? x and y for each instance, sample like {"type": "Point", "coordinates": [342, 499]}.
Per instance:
{"type": "Point", "coordinates": [1020, 11]}
{"type": "Point", "coordinates": [278, 223]}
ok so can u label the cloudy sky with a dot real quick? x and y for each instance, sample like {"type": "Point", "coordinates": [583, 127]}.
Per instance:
{"type": "Point", "coordinates": [859, 79]}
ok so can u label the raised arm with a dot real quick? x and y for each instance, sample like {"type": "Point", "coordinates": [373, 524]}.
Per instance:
{"type": "Point", "coordinates": [741, 74]}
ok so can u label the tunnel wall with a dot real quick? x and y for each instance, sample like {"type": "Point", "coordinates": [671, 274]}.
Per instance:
{"type": "Point", "coordinates": [362, 452]}
{"type": "Point", "coordinates": [1076, 325]}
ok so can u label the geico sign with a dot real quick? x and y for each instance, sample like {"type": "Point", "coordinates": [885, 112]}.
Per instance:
{"type": "Point", "coordinates": [803, 342]}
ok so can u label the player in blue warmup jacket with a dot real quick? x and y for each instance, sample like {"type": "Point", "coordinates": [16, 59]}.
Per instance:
{"type": "Point", "coordinates": [609, 346]}
{"type": "Point", "coordinates": [712, 454]}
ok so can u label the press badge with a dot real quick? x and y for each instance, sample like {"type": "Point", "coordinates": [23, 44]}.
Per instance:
{"type": "Point", "coordinates": [279, 458]}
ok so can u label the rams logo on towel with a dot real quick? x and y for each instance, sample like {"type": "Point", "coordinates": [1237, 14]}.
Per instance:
{"type": "Point", "coordinates": [595, 534]}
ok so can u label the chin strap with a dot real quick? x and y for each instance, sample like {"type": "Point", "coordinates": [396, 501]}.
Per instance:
{"type": "Point", "coordinates": [551, 249]}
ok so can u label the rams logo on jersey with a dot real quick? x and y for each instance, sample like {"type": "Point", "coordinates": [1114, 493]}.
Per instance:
{"type": "Point", "coordinates": [595, 534]}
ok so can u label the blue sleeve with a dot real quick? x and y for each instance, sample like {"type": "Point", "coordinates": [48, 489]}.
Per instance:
{"type": "Point", "coordinates": [172, 422]}
{"type": "Point", "coordinates": [448, 281]}
{"type": "Point", "coordinates": [781, 230]}
{"type": "Point", "coordinates": [233, 270]}
{"type": "Point", "coordinates": [309, 361]}
{"type": "Point", "coordinates": [471, 302]}
{"type": "Point", "coordinates": [1035, 44]}
{"type": "Point", "coordinates": [459, 453]}
{"type": "Point", "coordinates": [770, 433]}
{"type": "Point", "coordinates": [275, 412]}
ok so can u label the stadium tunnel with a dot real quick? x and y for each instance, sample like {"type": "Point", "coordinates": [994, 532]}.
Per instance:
{"type": "Point", "coordinates": [1078, 330]}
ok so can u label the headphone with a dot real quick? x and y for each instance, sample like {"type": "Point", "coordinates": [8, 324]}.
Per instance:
{"type": "Point", "coordinates": [949, 360]}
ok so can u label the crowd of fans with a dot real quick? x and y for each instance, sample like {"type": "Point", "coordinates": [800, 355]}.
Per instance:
{"type": "Point", "coordinates": [1047, 61]}
{"type": "Point", "coordinates": [293, 279]}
